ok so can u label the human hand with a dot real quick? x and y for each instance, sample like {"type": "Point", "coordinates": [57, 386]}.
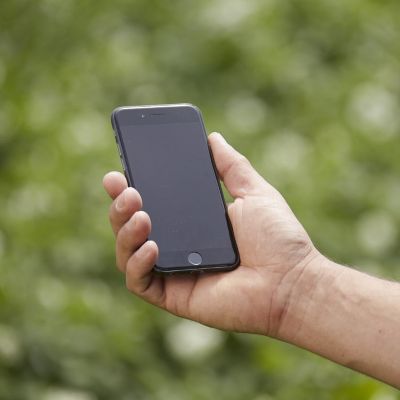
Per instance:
{"type": "Point", "coordinates": [274, 250]}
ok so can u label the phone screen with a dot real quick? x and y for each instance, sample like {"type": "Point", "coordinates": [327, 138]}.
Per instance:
{"type": "Point", "coordinates": [170, 165]}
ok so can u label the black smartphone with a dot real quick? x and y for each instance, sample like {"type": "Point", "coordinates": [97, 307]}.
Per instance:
{"type": "Point", "coordinates": [165, 155]}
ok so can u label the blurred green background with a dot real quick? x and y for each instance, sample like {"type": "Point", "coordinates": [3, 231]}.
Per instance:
{"type": "Point", "coordinates": [308, 90]}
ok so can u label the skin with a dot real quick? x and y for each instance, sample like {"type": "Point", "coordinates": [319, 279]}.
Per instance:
{"type": "Point", "coordinates": [284, 287]}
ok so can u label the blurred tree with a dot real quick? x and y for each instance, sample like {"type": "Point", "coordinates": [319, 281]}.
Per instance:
{"type": "Point", "coordinates": [309, 91]}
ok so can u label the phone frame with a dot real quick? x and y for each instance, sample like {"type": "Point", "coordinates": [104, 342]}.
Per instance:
{"type": "Point", "coordinates": [165, 108]}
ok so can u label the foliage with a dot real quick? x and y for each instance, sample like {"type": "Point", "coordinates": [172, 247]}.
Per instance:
{"type": "Point", "coordinates": [309, 91]}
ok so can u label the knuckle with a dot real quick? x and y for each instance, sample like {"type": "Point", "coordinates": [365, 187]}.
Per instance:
{"type": "Point", "coordinates": [128, 284]}
{"type": "Point", "coordinates": [143, 221]}
{"type": "Point", "coordinates": [131, 234]}
{"type": "Point", "coordinates": [129, 281]}
{"type": "Point", "coordinates": [124, 237]}
{"type": "Point", "coordinates": [111, 212]}
{"type": "Point", "coordinates": [243, 160]}
{"type": "Point", "coordinates": [120, 267]}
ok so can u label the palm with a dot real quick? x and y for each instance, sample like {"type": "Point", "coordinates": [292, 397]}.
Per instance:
{"type": "Point", "coordinates": [270, 241]}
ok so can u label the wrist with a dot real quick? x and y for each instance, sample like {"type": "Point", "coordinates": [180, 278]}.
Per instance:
{"type": "Point", "coordinates": [343, 315]}
{"type": "Point", "coordinates": [299, 291]}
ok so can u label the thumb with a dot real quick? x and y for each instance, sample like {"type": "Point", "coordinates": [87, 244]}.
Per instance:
{"type": "Point", "coordinates": [239, 177]}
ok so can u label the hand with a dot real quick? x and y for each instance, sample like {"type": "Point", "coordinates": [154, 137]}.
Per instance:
{"type": "Point", "coordinates": [273, 246]}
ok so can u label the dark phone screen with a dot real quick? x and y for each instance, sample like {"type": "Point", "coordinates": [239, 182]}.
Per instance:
{"type": "Point", "coordinates": [171, 168]}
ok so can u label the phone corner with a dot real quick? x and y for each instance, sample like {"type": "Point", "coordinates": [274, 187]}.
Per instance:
{"type": "Point", "coordinates": [116, 111]}
{"type": "Point", "coordinates": [237, 261]}
{"type": "Point", "coordinates": [193, 107]}
{"type": "Point", "coordinates": [113, 116]}
{"type": "Point", "coordinates": [158, 270]}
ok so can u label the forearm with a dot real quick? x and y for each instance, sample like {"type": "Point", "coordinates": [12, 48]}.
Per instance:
{"type": "Point", "coordinates": [348, 317]}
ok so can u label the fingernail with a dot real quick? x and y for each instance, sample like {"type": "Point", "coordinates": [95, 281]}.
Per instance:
{"type": "Point", "coordinates": [120, 205]}
{"type": "Point", "coordinates": [220, 136]}
{"type": "Point", "coordinates": [144, 250]}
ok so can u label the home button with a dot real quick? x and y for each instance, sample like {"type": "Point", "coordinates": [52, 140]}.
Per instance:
{"type": "Point", "coordinates": [195, 258]}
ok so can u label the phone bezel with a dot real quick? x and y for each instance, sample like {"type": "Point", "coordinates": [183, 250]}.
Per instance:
{"type": "Point", "coordinates": [132, 115]}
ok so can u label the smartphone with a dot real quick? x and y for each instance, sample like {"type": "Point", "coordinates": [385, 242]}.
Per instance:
{"type": "Point", "coordinates": [165, 155]}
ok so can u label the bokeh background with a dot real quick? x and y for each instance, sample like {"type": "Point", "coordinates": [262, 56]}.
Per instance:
{"type": "Point", "coordinates": [308, 90]}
